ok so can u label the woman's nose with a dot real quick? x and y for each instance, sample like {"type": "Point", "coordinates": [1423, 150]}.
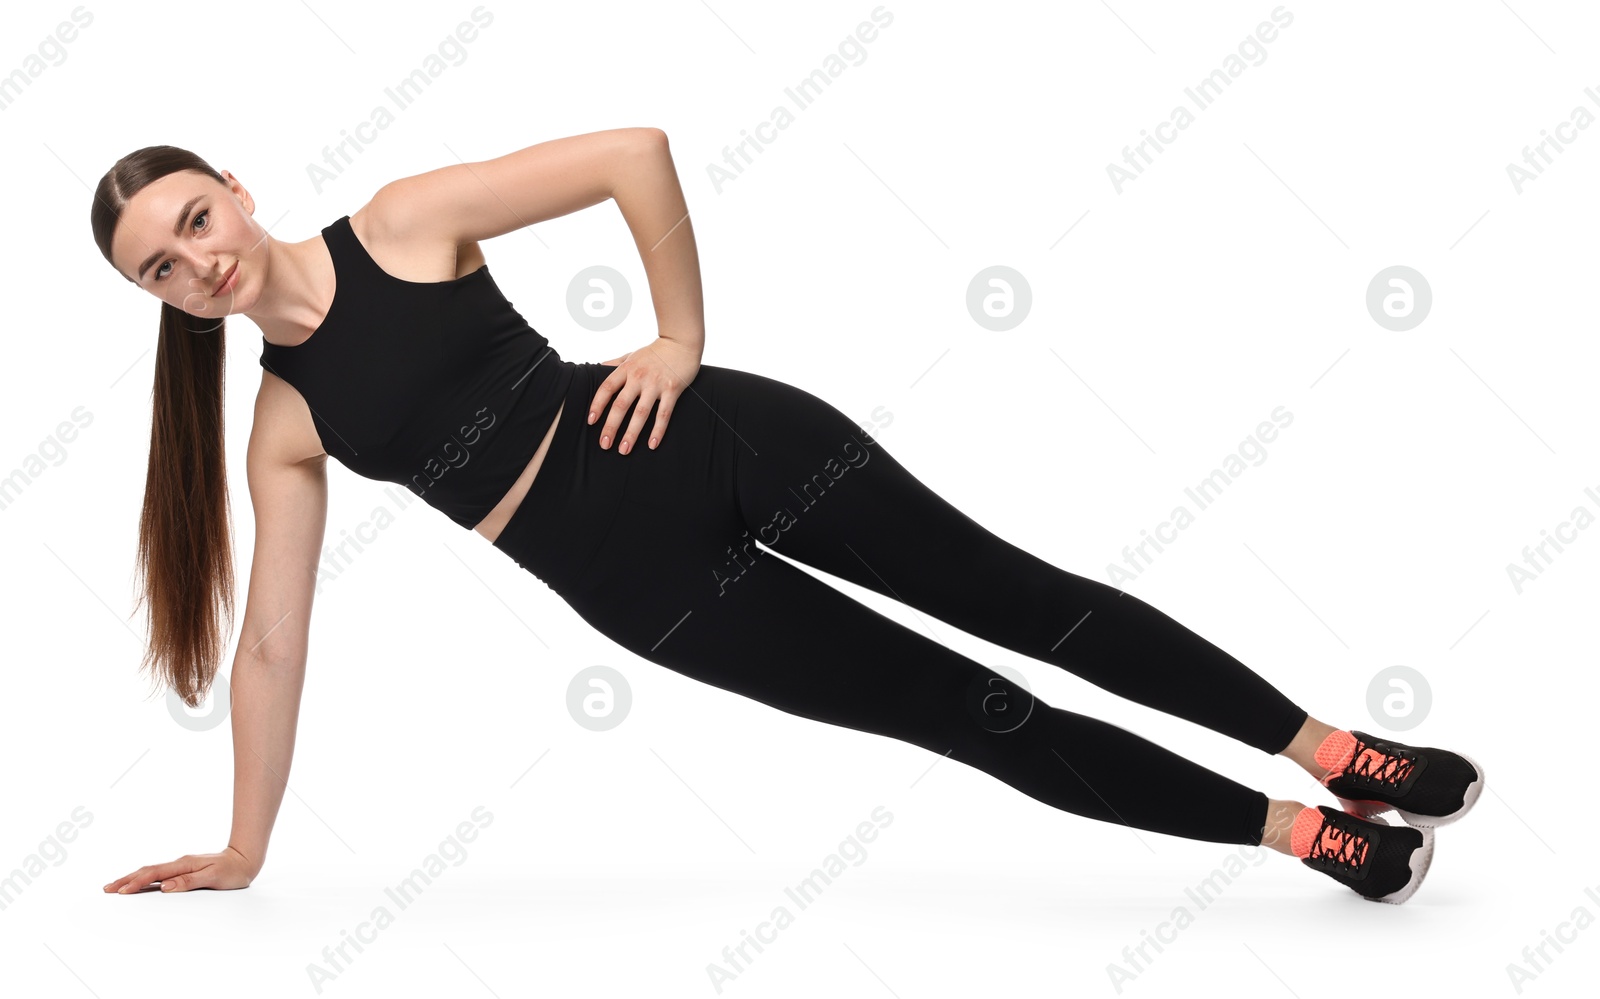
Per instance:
{"type": "Point", "coordinates": [203, 273]}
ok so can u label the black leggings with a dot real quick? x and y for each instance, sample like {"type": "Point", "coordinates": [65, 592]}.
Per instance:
{"type": "Point", "coordinates": [657, 550]}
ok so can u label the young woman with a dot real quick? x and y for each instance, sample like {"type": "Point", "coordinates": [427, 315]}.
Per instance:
{"type": "Point", "coordinates": [388, 346]}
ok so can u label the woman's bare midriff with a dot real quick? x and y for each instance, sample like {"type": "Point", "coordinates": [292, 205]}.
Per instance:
{"type": "Point", "coordinates": [495, 522]}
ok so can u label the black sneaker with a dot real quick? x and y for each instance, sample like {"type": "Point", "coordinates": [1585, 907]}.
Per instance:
{"type": "Point", "coordinates": [1379, 862]}
{"type": "Point", "coordinates": [1426, 787]}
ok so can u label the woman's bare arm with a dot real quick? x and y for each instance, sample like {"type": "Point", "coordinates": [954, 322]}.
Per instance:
{"type": "Point", "coordinates": [289, 493]}
{"type": "Point", "coordinates": [288, 487]}
{"type": "Point", "coordinates": [436, 212]}
{"type": "Point", "coordinates": [466, 202]}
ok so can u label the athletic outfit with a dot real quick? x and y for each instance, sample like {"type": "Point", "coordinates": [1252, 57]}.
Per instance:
{"type": "Point", "coordinates": [444, 388]}
{"type": "Point", "coordinates": [409, 382]}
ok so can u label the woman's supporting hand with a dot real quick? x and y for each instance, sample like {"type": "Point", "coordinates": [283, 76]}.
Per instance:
{"type": "Point", "coordinates": [228, 869]}
{"type": "Point", "coordinates": [658, 371]}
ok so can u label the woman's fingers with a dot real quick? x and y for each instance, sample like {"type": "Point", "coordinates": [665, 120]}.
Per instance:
{"type": "Point", "coordinates": [663, 412]}
{"type": "Point", "coordinates": [127, 881]}
{"type": "Point", "coordinates": [654, 380]}
{"type": "Point", "coordinates": [144, 876]}
{"type": "Point", "coordinates": [603, 394]}
{"type": "Point", "coordinates": [640, 413]}
{"type": "Point", "coordinates": [133, 882]}
{"type": "Point", "coordinates": [183, 882]}
{"type": "Point", "coordinates": [225, 870]}
{"type": "Point", "coordinates": [641, 416]}
{"type": "Point", "coordinates": [619, 405]}
{"type": "Point", "coordinates": [615, 390]}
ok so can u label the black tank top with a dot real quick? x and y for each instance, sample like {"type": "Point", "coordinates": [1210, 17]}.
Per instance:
{"type": "Point", "coordinates": [441, 387]}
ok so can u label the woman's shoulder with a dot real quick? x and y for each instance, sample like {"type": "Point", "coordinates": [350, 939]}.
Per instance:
{"type": "Point", "coordinates": [397, 240]}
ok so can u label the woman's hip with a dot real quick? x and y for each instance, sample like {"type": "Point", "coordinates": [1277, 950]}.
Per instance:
{"type": "Point", "coordinates": [680, 492]}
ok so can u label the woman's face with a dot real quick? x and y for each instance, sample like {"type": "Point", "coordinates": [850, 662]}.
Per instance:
{"type": "Point", "coordinates": [180, 236]}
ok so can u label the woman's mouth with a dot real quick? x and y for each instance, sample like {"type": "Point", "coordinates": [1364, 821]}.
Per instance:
{"type": "Point", "coordinates": [228, 281]}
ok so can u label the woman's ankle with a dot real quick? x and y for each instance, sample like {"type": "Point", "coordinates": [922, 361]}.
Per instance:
{"type": "Point", "coordinates": [1302, 749]}
{"type": "Point", "coordinates": [1281, 815]}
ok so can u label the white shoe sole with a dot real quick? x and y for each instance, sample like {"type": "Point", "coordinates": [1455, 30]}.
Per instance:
{"type": "Point", "coordinates": [1367, 809]}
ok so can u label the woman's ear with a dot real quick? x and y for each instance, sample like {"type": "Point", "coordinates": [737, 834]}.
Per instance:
{"type": "Point", "coordinates": [239, 192]}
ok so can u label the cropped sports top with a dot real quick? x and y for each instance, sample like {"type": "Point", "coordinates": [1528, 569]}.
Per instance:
{"type": "Point", "coordinates": [441, 387]}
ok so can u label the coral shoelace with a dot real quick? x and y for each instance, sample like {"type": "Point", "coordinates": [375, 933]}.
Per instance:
{"type": "Point", "coordinates": [1374, 764]}
{"type": "Point", "coordinates": [1346, 847]}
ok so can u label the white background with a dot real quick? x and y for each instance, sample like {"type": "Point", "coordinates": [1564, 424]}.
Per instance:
{"type": "Point", "coordinates": [1167, 322]}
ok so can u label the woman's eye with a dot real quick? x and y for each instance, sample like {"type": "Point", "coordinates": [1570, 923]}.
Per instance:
{"type": "Point", "coordinates": [198, 216]}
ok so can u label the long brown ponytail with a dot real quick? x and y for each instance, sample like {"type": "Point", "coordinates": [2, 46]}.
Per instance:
{"type": "Point", "coordinates": [185, 555]}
